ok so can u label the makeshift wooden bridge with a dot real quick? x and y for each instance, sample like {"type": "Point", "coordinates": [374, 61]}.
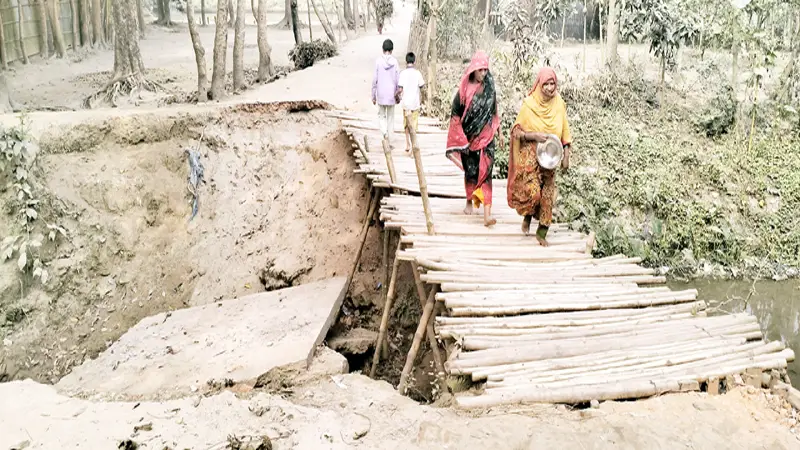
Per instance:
{"type": "Point", "coordinates": [538, 324]}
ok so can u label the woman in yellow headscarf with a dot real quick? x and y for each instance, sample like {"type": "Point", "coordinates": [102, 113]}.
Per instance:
{"type": "Point", "coordinates": [531, 188]}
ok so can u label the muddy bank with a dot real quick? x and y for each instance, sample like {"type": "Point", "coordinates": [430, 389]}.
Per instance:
{"type": "Point", "coordinates": [280, 206]}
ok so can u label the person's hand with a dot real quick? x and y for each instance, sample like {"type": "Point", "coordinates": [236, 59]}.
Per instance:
{"type": "Point", "coordinates": [374, 102]}
{"type": "Point", "coordinates": [517, 133]}
{"type": "Point", "coordinates": [539, 137]}
{"type": "Point", "coordinates": [565, 159]}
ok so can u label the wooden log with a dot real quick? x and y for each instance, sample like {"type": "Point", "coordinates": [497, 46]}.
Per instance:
{"type": "Point", "coordinates": [385, 283]}
{"type": "Point", "coordinates": [609, 303]}
{"type": "Point", "coordinates": [387, 308]}
{"type": "Point", "coordinates": [498, 372]}
{"type": "Point", "coordinates": [615, 327]}
{"type": "Point", "coordinates": [364, 233]}
{"type": "Point", "coordinates": [758, 360]}
{"type": "Point", "coordinates": [651, 366]}
{"type": "Point", "coordinates": [423, 185]}
{"type": "Point", "coordinates": [437, 355]}
{"type": "Point", "coordinates": [427, 314]}
{"type": "Point", "coordinates": [571, 319]}
{"type": "Point", "coordinates": [389, 161]}
{"type": "Point", "coordinates": [542, 351]}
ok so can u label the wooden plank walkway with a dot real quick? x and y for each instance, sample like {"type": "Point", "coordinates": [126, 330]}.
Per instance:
{"type": "Point", "coordinates": [543, 324]}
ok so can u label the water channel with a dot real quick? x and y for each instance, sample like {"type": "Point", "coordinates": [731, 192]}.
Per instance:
{"type": "Point", "coordinates": [776, 304]}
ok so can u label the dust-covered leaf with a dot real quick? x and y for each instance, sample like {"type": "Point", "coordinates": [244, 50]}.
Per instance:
{"type": "Point", "coordinates": [23, 260]}
{"type": "Point", "coordinates": [31, 213]}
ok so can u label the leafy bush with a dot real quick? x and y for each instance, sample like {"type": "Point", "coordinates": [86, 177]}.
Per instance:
{"type": "Point", "coordinates": [720, 115]}
{"type": "Point", "coordinates": [18, 164]}
{"type": "Point", "coordinates": [307, 53]}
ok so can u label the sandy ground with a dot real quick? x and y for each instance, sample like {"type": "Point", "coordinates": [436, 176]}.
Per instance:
{"type": "Point", "coordinates": [346, 411]}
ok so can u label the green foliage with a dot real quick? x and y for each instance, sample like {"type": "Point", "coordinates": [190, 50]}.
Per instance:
{"type": "Point", "coordinates": [18, 163]}
{"type": "Point", "coordinates": [384, 9]}
{"type": "Point", "coordinates": [719, 117]}
{"type": "Point", "coordinates": [661, 22]}
{"type": "Point", "coordinates": [458, 30]}
{"type": "Point", "coordinates": [306, 54]}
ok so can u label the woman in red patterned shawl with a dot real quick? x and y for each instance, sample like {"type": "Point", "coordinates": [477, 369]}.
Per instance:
{"type": "Point", "coordinates": [470, 139]}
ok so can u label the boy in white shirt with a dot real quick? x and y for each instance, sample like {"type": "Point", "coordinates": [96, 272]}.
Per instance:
{"type": "Point", "coordinates": [410, 84]}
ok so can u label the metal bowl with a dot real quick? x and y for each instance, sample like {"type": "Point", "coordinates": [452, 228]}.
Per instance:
{"type": "Point", "coordinates": [550, 152]}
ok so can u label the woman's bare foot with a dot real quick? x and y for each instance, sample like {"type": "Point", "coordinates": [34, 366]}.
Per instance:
{"type": "Point", "coordinates": [469, 209]}
{"type": "Point", "coordinates": [542, 241]}
{"type": "Point", "coordinates": [488, 220]}
{"type": "Point", "coordinates": [526, 225]}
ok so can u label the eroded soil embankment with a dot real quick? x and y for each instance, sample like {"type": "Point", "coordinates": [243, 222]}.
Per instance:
{"type": "Point", "coordinates": [280, 206]}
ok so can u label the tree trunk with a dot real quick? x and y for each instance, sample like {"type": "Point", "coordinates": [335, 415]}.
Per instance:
{"type": "Point", "coordinates": [348, 14]}
{"type": "Point", "coordinates": [433, 53]}
{"type": "Point", "coordinates": [286, 22]}
{"type": "Point", "coordinates": [298, 37]}
{"type": "Point", "coordinates": [585, 22]}
{"type": "Point", "coordinates": [220, 51]}
{"type": "Point", "coordinates": [164, 12]}
{"type": "Point", "coordinates": [563, 29]}
{"type": "Point", "coordinates": [265, 69]}
{"type": "Point", "coordinates": [17, 31]}
{"type": "Point", "coordinates": [310, 28]}
{"type": "Point", "coordinates": [97, 23]}
{"type": "Point", "coordinates": [231, 14]}
{"type": "Point", "coordinates": [600, 27]}
{"type": "Point", "coordinates": [486, 14]}
{"type": "Point", "coordinates": [76, 25]}
{"type": "Point", "coordinates": [55, 24]}
{"type": "Point", "coordinates": [203, 13]}
{"type": "Point", "coordinates": [140, 16]}
{"type": "Point", "coordinates": [129, 73]}
{"type": "Point", "coordinates": [342, 22]}
{"type": "Point", "coordinates": [199, 54]}
{"type": "Point", "coordinates": [86, 35]}
{"type": "Point", "coordinates": [238, 48]}
{"type": "Point", "coordinates": [3, 54]}
{"type": "Point", "coordinates": [7, 103]}
{"type": "Point", "coordinates": [356, 16]}
{"type": "Point", "coordinates": [128, 62]}
{"type": "Point", "coordinates": [41, 19]}
{"type": "Point", "coordinates": [323, 18]}
{"type": "Point", "coordinates": [612, 32]}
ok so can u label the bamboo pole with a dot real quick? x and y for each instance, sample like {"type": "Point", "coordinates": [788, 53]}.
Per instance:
{"type": "Point", "coordinates": [656, 365]}
{"type": "Point", "coordinates": [427, 314]}
{"type": "Point", "coordinates": [437, 355]}
{"type": "Point", "coordinates": [699, 370]}
{"type": "Point", "coordinates": [387, 308]}
{"type": "Point", "coordinates": [423, 185]}
{"type": "Point", "coordinates": [384, 282]}
{"type": "Point", "coordinates": [668, 348]}
{"type": "Point", "coordinates": [387, 151]}
{"type": "Point", "coordinates": [602, 360]}
{"type": "Point", "coordinates": [364, 232]}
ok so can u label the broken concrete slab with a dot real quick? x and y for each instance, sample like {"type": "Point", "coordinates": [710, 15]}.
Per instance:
{"type": "Point", "coordinates": [174, 354]}
{"type": "Point", "coordinates": [356, 341]}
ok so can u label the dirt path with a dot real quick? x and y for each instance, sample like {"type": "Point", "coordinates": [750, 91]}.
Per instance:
{"type": "Point", "coordinates": [343, 81]}
{"type": "Point", "coordinates": [347, 411]}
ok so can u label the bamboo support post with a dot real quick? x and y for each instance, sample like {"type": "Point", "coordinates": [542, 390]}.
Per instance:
{"type": "Point", "coordinates": [437, 355]}
{"type": "Point", "coordinates": [364, 232]}
{"type": "Point", "coordinates": [423, 185]}
{"type": "Point", "coordinates": [387, 308]}
{"type": "Point", "coordinates": [427, 314]}
{"type": "Point", "coordinates": [385, 283]}
{"type": "Point", "coordinates": [387, 151]}
{"type": "Point", "coordinates": [365, 150]}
